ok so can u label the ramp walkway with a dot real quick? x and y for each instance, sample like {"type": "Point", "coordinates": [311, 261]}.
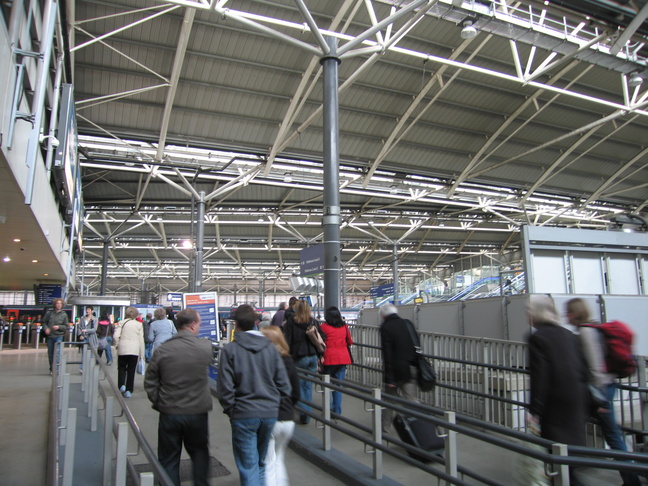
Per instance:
{"type": "Point", "coordinates": [316, 456]}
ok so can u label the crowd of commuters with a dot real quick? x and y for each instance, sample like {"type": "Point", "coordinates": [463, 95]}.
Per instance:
{"type": "Point", "coordinates": [260, 391]}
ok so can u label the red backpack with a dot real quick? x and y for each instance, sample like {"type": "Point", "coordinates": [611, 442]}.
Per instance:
{"type": "Point", "coordinates": [618, 337]}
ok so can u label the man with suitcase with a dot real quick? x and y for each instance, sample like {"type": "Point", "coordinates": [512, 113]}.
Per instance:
{"type": "Point", "coordinates": [399, 360]}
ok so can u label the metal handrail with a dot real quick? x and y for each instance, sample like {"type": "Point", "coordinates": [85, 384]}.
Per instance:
{"type": "Point", "coordinates": [468, 426]}
{"type": "Point", "coordinates": [159, 472]}
{"type": "Point", "coordinates": [52, 474]}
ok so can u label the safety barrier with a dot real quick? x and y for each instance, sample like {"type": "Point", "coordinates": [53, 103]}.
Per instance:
{"type": "Point", "coordinates": [63, 424]}
{"type": "Point", "coordinates": [556, 457]}
{"type": "Point", "coordinates": [488, 379]}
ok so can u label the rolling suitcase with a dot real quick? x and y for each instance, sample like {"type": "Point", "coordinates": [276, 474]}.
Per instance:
{"type": "Point", "coordinates": [420, 434]}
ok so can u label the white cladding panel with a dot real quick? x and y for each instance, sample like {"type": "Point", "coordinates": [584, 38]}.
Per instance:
{"type": "Point", "coordinates": [633, 311]}
{"type": "Point", "coordinates": [548, 272]}
{"type": "Point", "coordinates": [587, 273]}
{"type": "Point", "coordinates": [622, 275]}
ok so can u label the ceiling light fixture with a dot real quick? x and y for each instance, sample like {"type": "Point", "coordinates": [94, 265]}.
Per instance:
{"type": "Point", "coordinates": [6, 259]}
{"type": "Point", "coordinates": [16, 240]}
{"type": "Point", "coordinates": [34, 261]}
{"type": "Point", "coordinates": [635, 80]}
{"type": "Point", "coordinates": [468, 31]}
{"type": "Point", "coordinates": [288, 177]}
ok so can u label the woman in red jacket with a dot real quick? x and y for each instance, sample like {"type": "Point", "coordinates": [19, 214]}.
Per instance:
{"type": "Point", "coordinates": [337, 354]}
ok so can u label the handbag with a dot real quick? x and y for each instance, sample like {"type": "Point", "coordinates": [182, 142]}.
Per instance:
{"type": "Point", "coordinates": [426, 378]}
{"type": "Point", "coordinates": [348, 345]}
{"type": "Point", "coordinates": [141, 366]}
{"type": "Point", "coordinates": [315, 337]}
{"type": "Point", "coordinates": [102, 343]}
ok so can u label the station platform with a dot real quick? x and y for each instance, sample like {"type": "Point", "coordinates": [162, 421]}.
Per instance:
{"type": "Point", "coordinates": [24, 400]}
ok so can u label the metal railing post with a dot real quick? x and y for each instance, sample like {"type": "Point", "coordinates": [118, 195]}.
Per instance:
{"type": "Point", "coordinates": [377, 434]}
{"type": "Point", "coordinates": [451, 446]}
{"type": "Point", "coordinates": [93, 409]}
{"type": "Point", "coordinates": [70, 433]}
{"type": "Point", "coordinates": [486, 380]}
{"type": "Point", "coordinates": [560, 475]}
{"type": "Point", "coordinates": [122, 450]}
{"type": "Point", "coordinates": [108, 441]}
{"type": "Point", "coordinates": [146, 479]}
{"type": "Point", "coordinates": [326, 408]}
{"type": "Point", "coordinates": [65, 401]}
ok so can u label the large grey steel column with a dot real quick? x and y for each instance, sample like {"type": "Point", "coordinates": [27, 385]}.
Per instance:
{"type": "Point", "coordinates": [200, 236]}
{"type": "Point", "coordinates": [331, 212]}
{"type": "Point", "coordinates": [395, 271]}
{"type": "Point", "coordinates": [104, 267]}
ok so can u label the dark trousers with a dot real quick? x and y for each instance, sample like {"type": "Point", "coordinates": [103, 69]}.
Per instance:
{"type": "Point", "coordinates": [126, 366]}
{"type": "Point", "coordinates": [193, 430]}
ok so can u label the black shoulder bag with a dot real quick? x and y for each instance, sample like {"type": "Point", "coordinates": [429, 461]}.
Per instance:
{"type": "Point", "coordinates": [427, 377]}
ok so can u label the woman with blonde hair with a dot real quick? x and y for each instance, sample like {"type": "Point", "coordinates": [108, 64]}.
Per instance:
{"type": "Point", "coordinates": [578, 315]}
{"type": "Point", "coordinates": [129, 341]}
{"type": "Point", "coordinates": [303, 351]}
{"type": "Point", "coordinates": [559, 395]}
{"type": "Point", "coordinates": [275, 465]}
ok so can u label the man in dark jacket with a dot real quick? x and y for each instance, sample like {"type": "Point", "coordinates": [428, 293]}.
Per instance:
{"type": "Point", "coordinates": [176, 382]}
{"type": "Point", "coordinates": [55, 324]}
{"type": "Point", "coordinates": [399, 360]}
{"type": "Point", "coordinates": [251, 381]}
{"type": "Point", "coordinates": [278, 318]}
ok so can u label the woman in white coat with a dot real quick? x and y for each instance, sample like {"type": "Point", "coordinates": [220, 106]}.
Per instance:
{"type": "Point", "coordinates": [129, 341]}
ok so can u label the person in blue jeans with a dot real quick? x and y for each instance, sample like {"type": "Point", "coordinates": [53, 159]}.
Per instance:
{"type": "Point", "coordinates": [55, 324]}
{"type": "Point", "coordinates": [252, 379]}
{"type": "Point", "coordinates": [337, 354]}
{"type": "Point", "coordinates": [303, 351]}
{"type": "Point", "coordinates": [177, 385]}
{"type": "Point", "coordinates": [105, 330]}
{"type": "Point", "coordinates": [591, 341]}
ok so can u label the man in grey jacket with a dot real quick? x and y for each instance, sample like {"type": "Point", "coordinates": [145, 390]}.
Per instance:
{"type": "Point", "coordinates": [251, 381]}
{"type": "Point", "coordinates": [176, 382]}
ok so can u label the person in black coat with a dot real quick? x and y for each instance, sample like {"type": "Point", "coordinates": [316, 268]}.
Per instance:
{"type": "Point", "coordinates": [399, 360]}
{"type": "Point", "coordinates": [559, 393]}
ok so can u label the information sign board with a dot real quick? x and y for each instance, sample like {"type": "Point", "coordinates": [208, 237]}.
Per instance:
{"type": "Point", "coordinates": [46, 293]}
{"type": "Point", "coordinates": [206, 304]}
{"type": "Point", "coordinates": [311, 261]}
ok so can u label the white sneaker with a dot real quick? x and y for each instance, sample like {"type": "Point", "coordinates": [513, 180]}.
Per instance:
{"type": "Point", "coordinates": [127, 395]}
{"type": "Point", "coordinates": [122, 388]}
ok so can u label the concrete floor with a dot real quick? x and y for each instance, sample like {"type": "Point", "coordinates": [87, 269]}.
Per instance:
{"type": "Point", "coordinates": [24, 401]}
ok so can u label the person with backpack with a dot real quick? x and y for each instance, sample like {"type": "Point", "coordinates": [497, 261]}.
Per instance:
{"type": "Point", "coordinates": [596, 347]}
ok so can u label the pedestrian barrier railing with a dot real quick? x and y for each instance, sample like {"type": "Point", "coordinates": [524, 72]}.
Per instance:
{"type": "Point", "coordinates": [488, 379]}
{"type": "Point", "coordinates": [556, 458]}
{"type": "Point", "coordinates": [103, 403]}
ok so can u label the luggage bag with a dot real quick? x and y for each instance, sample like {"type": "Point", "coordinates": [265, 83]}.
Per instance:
{"type": "Point", "coordinates": [421, 434]}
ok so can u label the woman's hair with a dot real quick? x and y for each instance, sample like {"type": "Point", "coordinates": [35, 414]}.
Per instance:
{"type": "Point", "coordinates": [160, 313]}
{"type": "Point", "coordinates": [578, 310]}
{"type": "Point", "coordinates": [302, 312]}
{"type": "Point", "coordinates": [541, 308]}
{"type": "Point", "coordinates": [333, 317]}
{"type": "Point", "coordinates": [104, 317]}
{"type": "Point", "coordinates": [275, 335]}
{"type": "Point", "coordinates": [131, 312]}
{"type": "Point", "coordinates": [292, 301]}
